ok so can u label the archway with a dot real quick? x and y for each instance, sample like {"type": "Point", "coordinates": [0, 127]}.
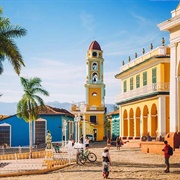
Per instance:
{"type": "Point", "coordinates": [125, 124]}
{"type": "Point", "coordinates": [154, 122]}
{"type": "Point", "coordinates": [131, 123]}
{"type": "Point", "coordinates": [137, 123]}
{"type": "Point", "coordinates": [145, 121]}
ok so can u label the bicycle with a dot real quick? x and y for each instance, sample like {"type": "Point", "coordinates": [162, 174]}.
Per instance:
{"type": "Point", "coordinates": [87, 155]}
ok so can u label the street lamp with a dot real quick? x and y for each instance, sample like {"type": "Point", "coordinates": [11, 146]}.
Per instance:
{"type": "Point", "coordinates": [64, 129]}
{"type": "Point", "coordinates": [83, 107]}
{"type": "Point", "coordinates": [77, 119]}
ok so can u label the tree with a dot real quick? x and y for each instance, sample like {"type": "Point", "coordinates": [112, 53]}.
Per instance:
{"type": "Point", "coordinates": [8, 48]}
{"type": "Point", "coordinates": [27, 107]}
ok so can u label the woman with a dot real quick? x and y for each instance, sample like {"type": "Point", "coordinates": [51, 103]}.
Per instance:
{"type": "Point", "coordinates": [118, 143]}
{"type": "Point", "coordinates": [106, 162]}
{"type": "Point", "coordinates": [87, 142]}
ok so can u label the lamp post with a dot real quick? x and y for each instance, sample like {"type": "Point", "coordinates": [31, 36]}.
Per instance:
{"type": "Point", "coordinates": [64, 128]}
{"type": "Point", "coordinates": [76, 120]}
{"type": "Point", "coordinates": [79, 118]}
{"type": "Point", "coordinates": [83, 107]}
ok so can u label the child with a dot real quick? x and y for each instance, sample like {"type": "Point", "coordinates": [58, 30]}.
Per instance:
{"type": "Point", "coordinates": [109, 143]}
{"type": "Point", "coordinates": [106, 162]}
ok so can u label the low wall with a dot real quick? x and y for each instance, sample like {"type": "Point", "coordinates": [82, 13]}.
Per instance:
{"type": "Point", "coordinates": [152, 147]}
{"type": "Point", "coordinates": [38, 154]}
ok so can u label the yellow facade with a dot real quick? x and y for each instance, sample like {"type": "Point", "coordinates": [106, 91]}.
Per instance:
{"type": "Point", "coordinates": [95, 93]}
{"type": "Point", "coordinates": [173, 26]}
{"type": "Point", "coordinates": [144, 101]}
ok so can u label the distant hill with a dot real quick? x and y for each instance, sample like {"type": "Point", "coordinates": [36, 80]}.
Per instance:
{"type": "Point", "coordinates": [10, 108]}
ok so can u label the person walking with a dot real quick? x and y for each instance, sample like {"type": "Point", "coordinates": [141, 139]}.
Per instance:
{"type": "Point", "coordinates": [106, 162]}
{"type": "Point", "coordinates": [87, 142]}
{"type": "Point", "coordinates": [109, 143]}
{"type": "Point", "coordinates": [118, 143]}
{"type": "Point", "coordinates": [81, 139]}
{"type": "Point", "coordinates": [166, 156]}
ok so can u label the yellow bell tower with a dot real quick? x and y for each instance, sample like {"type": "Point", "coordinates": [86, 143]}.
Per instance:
{"type": "Point", "coordinates": [95, 89]}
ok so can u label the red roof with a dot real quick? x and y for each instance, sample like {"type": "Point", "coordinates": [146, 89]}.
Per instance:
{"type": "Point", "coordinates": [51, 111]}
{"type": "Point", "coordinates": [94, 46]}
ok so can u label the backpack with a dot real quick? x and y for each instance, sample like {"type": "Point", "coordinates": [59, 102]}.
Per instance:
{"type": "Point", "coordinates": [170, 150]}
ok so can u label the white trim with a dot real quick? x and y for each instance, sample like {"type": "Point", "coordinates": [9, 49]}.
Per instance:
{"type": "Point", "coordinates": [5, 124]}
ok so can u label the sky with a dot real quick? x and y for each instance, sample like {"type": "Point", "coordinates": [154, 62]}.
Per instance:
{"type": "Point", "coordinates": [60, 33]}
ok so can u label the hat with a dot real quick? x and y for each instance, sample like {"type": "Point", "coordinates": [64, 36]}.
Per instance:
{"type": "Point", "coordinates": [106, 148]}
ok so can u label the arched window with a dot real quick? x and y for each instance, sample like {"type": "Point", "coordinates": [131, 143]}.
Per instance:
{"type": "Point", "coordinates": [94, 94]}
{"type": "Point", "coordinates": [94, 66]}
{"type": "Point", "coordinates": [94, 78]}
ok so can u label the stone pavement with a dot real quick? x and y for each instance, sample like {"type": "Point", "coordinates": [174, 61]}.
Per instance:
{"type": "Point", "coordinates": [128, 163]}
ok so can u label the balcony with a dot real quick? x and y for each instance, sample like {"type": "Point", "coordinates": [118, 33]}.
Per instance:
{"type": "Point", "coordinates": [160, 87]}
{"type": "Point", "coordinates": [75, 107]}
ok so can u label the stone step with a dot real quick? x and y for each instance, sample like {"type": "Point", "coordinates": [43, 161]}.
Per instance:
{"type": "Point", "coordinates": [177, 151]}
{"type": "Point", "coordinates": [132, 144]}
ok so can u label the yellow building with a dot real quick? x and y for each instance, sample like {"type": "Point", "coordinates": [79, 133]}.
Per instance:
{"type": "Point", "coordinates": [144, 101]}
{"type": "Point", "coordinates": [173, 26]}
{"type": "Point", "coordinates": [95, 93]}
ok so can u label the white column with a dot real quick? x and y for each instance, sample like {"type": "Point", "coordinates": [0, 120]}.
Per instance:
{"type": "Point", "coordinates": [76, 139]}
{"type": "Point", "coordinates": [84, 133]}
{"type": "Point", "coordinates": [173, 89]}
{"type": "Point", "coordinates": [121, 122]}
{"type": "Point", "coordinates": [178, 102]}
{"type": "Point", "coordinates": [162, 116]}
{"type": "Point", "coordinates": [78, 131]}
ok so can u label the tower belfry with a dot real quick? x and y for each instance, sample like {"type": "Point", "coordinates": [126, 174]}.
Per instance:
{"type": "Point", "coordinates": [94, 115]}
{"type": "Point", "coordinates": [95, 89]}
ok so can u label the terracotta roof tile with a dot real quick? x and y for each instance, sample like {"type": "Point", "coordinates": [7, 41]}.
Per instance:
{"type": "Point", "coordinates": [94, 46]}
{"type": "Point", "coordinates": [51, 110]}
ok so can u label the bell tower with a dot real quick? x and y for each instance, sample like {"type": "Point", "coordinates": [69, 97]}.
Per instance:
{"type": "Point", "coordinates": [95, 89]}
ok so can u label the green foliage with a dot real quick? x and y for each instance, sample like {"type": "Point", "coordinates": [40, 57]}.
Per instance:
{"type": "Point", "coordinates": [107, 125]}
{"type": "Point", "coordinates": [27, 107]}
{"type": "Point", "coordinates": [8, 47]}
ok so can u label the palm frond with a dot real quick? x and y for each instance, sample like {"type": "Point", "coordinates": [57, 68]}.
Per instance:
{"type": "Point", "coordinates": [9, 49]}
{"type": "Point", "coordinates": [40, 91]}
{"type": "Point", "coordinates": [10, 31]}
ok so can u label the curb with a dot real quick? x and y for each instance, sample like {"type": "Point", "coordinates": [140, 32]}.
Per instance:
{"type": "Point", "coordinates": [42, 171]}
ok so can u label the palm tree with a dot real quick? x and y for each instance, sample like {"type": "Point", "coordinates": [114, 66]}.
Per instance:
{"type": "Point", "coordinates": [27, 107]}
{"type": "Point", "coordinates": [8, 48]}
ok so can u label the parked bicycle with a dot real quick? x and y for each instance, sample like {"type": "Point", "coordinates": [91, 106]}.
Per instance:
{"type": "Point", "coordinates": [87, 155]}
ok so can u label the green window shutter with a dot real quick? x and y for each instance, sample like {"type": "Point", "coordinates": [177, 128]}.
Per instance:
{"type": "Point", "coordinates": [154, 75]}
{"type": "Point", "coordinates": [125, 86]}
{"type": "Point", "coordinates": [131, 83]}
{"type": "Point", "coordinates": [144, 78]}
{"type": "Point", "coordinates": [137, 81]}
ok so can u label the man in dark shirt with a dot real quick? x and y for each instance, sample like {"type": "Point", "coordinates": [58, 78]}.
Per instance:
{"type": "Point", "coordinates": [166, 156]}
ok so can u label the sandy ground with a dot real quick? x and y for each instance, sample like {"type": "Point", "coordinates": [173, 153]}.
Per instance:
{"type": "Point", "coordinates": [128, 163]}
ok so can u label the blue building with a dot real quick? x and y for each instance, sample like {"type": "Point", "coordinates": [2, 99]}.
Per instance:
{"type": "Point", "coordinates": [15, 131]}
{"type": "Point", "coordinates": [114, 118]}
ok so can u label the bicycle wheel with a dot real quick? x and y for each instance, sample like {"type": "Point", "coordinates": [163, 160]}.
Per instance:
{"type": "Point", "coordinates": [92, 157]}
{"type": "Point", "coordinates": [82, 159]}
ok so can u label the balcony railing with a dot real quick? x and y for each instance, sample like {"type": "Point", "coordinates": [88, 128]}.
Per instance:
{"type": "Point", "coordinates": [145, 90]}
{"type": "Point", "coordinates": [159, 51]}
{"type": "Point", "coordinates": [89, 108]}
